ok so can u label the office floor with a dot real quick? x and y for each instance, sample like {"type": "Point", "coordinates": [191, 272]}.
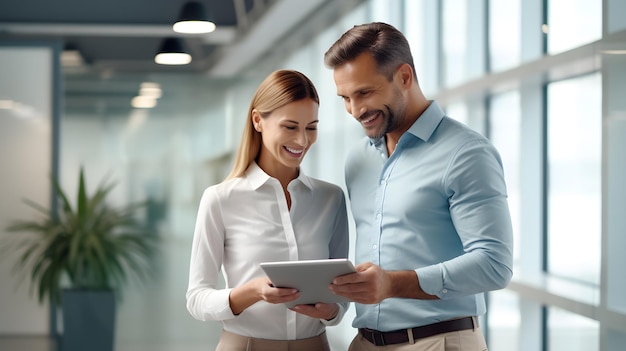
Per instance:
{"type": "Point", "coordinates": [27, 343]}
{"type": "Point", "coordinates": [40, 343]}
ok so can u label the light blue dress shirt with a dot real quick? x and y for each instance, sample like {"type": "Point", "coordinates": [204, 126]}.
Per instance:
{"type": "Point", "coordinates": [437, 206]}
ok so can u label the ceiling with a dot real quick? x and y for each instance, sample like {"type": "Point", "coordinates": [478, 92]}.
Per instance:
{"type": "Point", "coordinates": [123, 36]}
{"type": "Point", "coordinates": [118, 39]}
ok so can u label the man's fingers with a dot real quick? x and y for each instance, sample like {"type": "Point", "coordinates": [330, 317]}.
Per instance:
{"type": "Point", "coordinates": [351, 278]}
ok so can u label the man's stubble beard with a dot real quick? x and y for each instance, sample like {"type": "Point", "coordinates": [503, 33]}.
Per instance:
{"type": "Point", "coordinates": [391, 121]}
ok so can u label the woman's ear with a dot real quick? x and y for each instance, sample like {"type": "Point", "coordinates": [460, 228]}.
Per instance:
{"type": "Point", "coordinates": [256, 120]}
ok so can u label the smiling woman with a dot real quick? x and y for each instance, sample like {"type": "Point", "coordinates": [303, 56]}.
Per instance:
{"type": "Point", "coordinates": [268, 210]}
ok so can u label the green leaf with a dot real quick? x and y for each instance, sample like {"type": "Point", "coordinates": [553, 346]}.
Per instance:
{"type": "Point", "coordinates": [82, 200]}
{"type": "Point", "coordinates": [93, 244]}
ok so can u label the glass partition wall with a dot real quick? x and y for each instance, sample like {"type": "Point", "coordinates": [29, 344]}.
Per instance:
{"type": "Point", "coordinates": [28, 118]}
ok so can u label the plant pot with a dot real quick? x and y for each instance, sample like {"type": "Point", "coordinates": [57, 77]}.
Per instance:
{"type": "Point", "coordinates": [88, 320]}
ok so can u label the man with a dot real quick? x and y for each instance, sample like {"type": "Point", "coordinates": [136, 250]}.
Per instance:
{"type": "Point", "coordinates": [429, 201]}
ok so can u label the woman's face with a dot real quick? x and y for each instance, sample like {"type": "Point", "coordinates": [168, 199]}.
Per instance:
{"type": "Point", "coordinates": [287, 134]}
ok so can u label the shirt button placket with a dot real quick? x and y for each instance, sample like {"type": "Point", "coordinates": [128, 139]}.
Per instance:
{"type": "Point", "coordinates": [379, 222]}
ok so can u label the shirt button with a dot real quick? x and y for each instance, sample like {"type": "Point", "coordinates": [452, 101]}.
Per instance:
{"type": "Point", "coordinates": [378, 216]}
{"type": "Point", "coordinates": [374, 246]}
{"type": "Point", "coordinates": [444, 291]}
{"type": "Point", "coordinates": [382, 182]}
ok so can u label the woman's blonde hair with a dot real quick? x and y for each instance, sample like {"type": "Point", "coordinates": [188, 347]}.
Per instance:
{"type": "Point", "coordinates": [277, 90]}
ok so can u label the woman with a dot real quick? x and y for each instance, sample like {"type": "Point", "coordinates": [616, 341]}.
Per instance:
{"type": "Point", "coordinates": [268, 210]}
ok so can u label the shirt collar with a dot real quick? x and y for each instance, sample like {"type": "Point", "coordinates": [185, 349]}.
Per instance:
{"type": "Point", "coordinates": [423, 127]}
{"type": "Point", "coordinates": [257, 177]}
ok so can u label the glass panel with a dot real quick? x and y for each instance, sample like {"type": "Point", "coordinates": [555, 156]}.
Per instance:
{"type": "Point", "coordinates": [505, 133]}
{"type": "Point", "coordinates": [574, 178]}
{"type": "Point", "coordinates": [615, 15]}
{"type": "Point", "coordinates": [573, 23]}
{"type": "Point", "coordinates": [454, 27]}
{"type": "Point", "coordinates": [413, 30]}
{"type": "Point", "coordinates": [504, 34]}
{"type": "Point", "coordinates": [26, 137]}
{"type": "Point", "coordinates": [458, 111]}
{"type": "Point", "coordinates": [168, 154]}
{"type": "Point", "coordinates": [571, 332]}
{"type": "Point", "coordinates": [614, 85]}
{"type": "Point", "coordinates": [385, 11]}
{"type": "Point", "coordinates": [504, 321]}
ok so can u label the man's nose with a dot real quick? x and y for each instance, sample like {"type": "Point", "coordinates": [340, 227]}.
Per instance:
{"type": "Point", "coordinates": [356, 109]}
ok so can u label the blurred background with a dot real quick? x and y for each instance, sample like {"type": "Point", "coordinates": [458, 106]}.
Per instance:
{"type": "Point", "coordinates": [545, 80]}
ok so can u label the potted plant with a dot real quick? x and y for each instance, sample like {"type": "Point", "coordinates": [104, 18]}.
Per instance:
{"type": "Point", "coordinates": [80, 257]}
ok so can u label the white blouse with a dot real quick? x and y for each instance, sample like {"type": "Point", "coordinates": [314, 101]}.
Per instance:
{"type": "Point", "coordinates": [245, 221]}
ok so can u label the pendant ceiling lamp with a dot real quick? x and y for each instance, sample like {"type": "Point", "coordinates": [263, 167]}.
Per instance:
{"type": "Point", "coordinates": [194, 19]}
{"type": "Point", "coordinates": [172, 52]}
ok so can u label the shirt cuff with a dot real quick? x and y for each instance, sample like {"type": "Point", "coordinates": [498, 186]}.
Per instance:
{"type": "Point", "coordinates": [431, 280]}
{"type": "Point", "coordinates": [343, 307]}
{"type": "Point", "coordinates": [221, 305]}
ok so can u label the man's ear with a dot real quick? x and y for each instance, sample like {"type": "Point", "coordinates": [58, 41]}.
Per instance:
{"type": "Point", "coordinates": [406, 75]}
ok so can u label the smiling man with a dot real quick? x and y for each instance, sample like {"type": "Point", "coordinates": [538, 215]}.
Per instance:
{"type": "Point", "coordinates": [433, 230]}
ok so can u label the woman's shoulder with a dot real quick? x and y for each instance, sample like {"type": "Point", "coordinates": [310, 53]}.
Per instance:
{"type": "Point", "coordinates": [226, 187]}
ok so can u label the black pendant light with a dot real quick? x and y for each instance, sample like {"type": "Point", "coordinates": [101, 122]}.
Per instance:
{"type": "Point", "coordinates": [194, 19]}
{"type": "Point", "coordinates": [172, 52]}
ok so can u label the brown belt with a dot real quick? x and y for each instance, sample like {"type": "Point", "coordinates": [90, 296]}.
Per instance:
{"type": "Point", "coordinates": [379, 338]}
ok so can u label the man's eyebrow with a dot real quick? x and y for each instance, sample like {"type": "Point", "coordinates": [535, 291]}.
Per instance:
{"type": "Point", "coordinates": [357, 90]}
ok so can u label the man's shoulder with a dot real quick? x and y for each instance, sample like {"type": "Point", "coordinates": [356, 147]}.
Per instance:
{"type": "Point", "coordinates": [324, 186]}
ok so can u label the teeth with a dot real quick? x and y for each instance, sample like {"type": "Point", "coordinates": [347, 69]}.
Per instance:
{"type": "Point", "coordinates": [294, 151]}
{"type": "Point", "coordinates": [370, 119]}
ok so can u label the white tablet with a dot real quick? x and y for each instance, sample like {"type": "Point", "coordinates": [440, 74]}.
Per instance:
{"type": "Point", "coordinates": [310, 277]}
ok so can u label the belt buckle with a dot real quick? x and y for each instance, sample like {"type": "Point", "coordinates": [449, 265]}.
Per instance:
{"type": "Point", "coordinates": [380, 336]}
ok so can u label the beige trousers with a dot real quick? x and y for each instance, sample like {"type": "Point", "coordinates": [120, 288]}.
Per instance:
{"type": "Point", "coordinates": [464, 340]}
{"type": "Point", "coordinates": [234, 342]}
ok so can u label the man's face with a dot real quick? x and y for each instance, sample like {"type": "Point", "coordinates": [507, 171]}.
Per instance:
{"type": "Point", "coordinates": [377, 103]}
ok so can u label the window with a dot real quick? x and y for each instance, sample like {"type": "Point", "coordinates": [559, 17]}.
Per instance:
{"type": "Point", "coordinates": [573, 23]}
{"type": "Point", "coordinates": [504, 321]}
{"type": "Point", "coordinates": [574, 178]}
{"type": "Point", "coordinates": [454, 27]}
{"type": "Point", "coordinates": [571, 332]}
{"type": "Point", "coordinates": [458, 111]}
{"type": "Point", "coordinates": [504, 34]}
{"type": "Point", "coordinates": [505, 133]}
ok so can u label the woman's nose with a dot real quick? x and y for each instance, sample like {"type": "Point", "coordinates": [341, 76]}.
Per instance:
{"type": "Point", "coordinates": [301, 138]}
